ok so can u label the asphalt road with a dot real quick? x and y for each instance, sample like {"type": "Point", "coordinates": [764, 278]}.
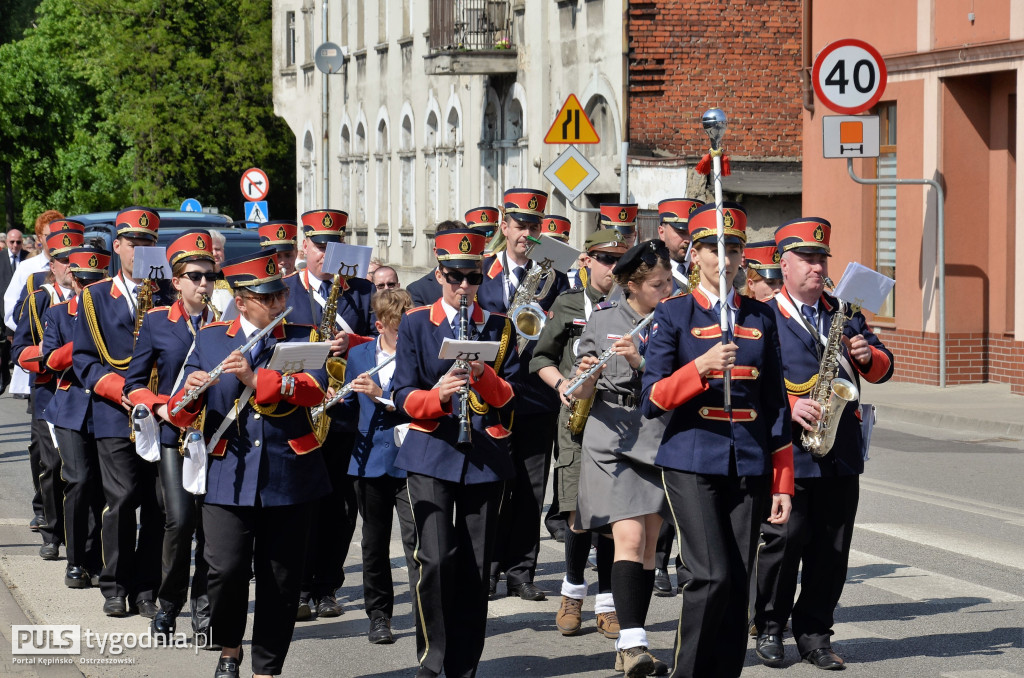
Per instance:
{"type": "Point", "coordinates": [935, 586]}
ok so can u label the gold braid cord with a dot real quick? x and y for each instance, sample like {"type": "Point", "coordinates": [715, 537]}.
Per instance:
{"type": "Point", "coordinates": [97, 336]}
{"type": "Point", "coordinates": [475, 402]}
{"type": "Point", "coordinates": [37, 325]}
{"type": "Point", "coordinates": [801, 389]}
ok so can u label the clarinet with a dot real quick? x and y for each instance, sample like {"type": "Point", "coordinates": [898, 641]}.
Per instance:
{"type": "Point", "coordinates": [465, 442]}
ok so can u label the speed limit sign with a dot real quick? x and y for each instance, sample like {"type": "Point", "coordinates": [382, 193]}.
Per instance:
{"type": "Point", "coordinates": [849, 76]}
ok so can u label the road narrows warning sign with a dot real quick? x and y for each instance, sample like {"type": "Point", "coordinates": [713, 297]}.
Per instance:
{"type": "Point", "coordinates": [571, 125]}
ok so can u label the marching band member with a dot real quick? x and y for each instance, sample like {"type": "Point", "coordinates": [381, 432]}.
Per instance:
{"type": "Point", "coordinates": [764, 272]}
{"type": "Point", "coordinates": [281, 235]}
{"type": "Point", "coordinates": [70, 414]}
{"type": "Point", "coordinates": [103, 343]}
{"type": "Point", "coordinates": [27, 352]}
{"type": "Point", "coordinates": [619, 486]}
{"type": "Point", "coordinates": [454, 492]}
{"type": "Point", "coordinates": [556, 226]}
{"type": "Point", "coordinates": [674, 215]}
{"type": "Point", "coordinates": [827, 489]}
{"type": "Point", "coordinates": [426, 290]}
{"type": "Point", "coordinates": [335, 519]}
{"type": "Point", "coordinates": [165, 339]}
{"type": "Point", "coordinates": [720, 468]}
{"type": "Point", "coordinates": [554, 361]}
{"type": "Point", "coordinates": [520, 512]}
{"type": "Point", "coordinates": [621, 217]}
{"type": "Point", "coordinates": [266, 470]}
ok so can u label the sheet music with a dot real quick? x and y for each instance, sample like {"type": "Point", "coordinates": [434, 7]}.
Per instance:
{"type": "Point", "coordinates": [299, 356]}
{"type": "Point", "coordinates": [864, 287]}
{"type": "Point", "coordinates": [453, 349]}
{"type": "Point", "coordinates": [151, 262]}
{"type": "Point", "coordinates": [561, 255]}
{"type": "Point", "coordinates": [349, 260]}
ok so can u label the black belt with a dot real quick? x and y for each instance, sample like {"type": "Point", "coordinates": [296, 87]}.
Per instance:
{"type": "Point", "coordinates": [630, 400]}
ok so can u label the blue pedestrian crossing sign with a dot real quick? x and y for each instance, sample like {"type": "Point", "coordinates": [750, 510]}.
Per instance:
{"type": "Point", "coordinates": [256, 211]}
{"type": "Point", "coordinates": [191, 205]}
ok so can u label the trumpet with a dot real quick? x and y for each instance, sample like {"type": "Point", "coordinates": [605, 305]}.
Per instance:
{"type": "Point", "coordinates": [219, 369]}
{"type": "Point", "coordinates": [341, 393]}
{"type": "Point", "coordinates": [606, 356]}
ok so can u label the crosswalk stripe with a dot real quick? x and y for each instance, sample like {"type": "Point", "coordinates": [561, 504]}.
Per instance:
{"type": "Point", "coordinates": [982, 673]}
{"type": "Point", "coordinates": [954, 541]}
{"type": "Point", "coordinates": [1009, 514]}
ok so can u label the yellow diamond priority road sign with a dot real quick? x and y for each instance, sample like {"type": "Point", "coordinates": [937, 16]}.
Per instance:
{"type": "Point", "coordinates": [571, 173]}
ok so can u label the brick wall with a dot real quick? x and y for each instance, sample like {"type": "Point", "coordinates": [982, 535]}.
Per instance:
{"type": "Point", "coordinates": [970, 358]}
{"type": "Point", "coordinates": [743, 57]}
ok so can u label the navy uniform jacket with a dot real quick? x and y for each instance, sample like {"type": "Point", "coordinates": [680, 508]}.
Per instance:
{"type": "Point", "coordinates": [353, 304]}
{"type": "Point", "coordinates": [425, 291]}
{"type": "Point", "coordinates": [164, 341]}
{"type": "Point", "coordinates": [269, 452]}
{"type": "Point", "coordinates": [27, 346]}
{"type": "Point", "coordinates": [699, 433]}
{"type": "Point", "coordinates": [429, 447]}
{"type": "Point", "coordinates": [34, 282]}
{"type": "Point", "coordinates": [104, 341]}
{"type": "Point", "coordinates": [801, 365]}
{"type": "Point", "coordinates": [532, 394]}
{"type": "Point", "coordinates": [71, 406]}
{"type": "Point", "coordinates": [375, 449]}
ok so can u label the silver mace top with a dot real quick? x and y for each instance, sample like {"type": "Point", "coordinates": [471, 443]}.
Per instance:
{"type": "Point", "coordinates": [714, 124]}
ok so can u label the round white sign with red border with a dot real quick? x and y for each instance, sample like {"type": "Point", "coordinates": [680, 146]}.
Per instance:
{"type": "Point", "coordinates": [255, 185]}
{"type": "Point", "coordinates": [849, 76]}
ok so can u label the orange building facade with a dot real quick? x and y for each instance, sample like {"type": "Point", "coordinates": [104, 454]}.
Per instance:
{"type": "Point", "coordinates": [948, 113]}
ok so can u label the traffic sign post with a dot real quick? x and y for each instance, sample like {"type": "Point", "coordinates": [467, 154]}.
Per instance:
{"type": "Point", "coordinates": [256, 211]}
{"type": "Point", "coordinates": [255, 185]}
{"type": "Point", "coordinates": [571, 125]}
{"type": "Point", "coordinates": [849, 76]}
{"type": "Point", "coordinates": [571, 173]}
{"type": "Point", "coordinates": [190, 205]}
{"type": "Point", "coordinates": [849, 136]}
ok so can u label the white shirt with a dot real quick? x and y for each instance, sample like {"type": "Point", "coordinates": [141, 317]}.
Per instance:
{"type": "Point", "coordinates": [387, 372]}
{"type": "Point", "coordinates": [452, 313]}
{"type": "Point", "coordinates": [730, 303]}
{"type": "Point", "coordinates": [17, 284]}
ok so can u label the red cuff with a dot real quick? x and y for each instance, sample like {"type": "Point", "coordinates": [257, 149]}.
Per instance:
{"type": "Point", "coordinates": [782, 471]}
{"type": "Point", "coordinates": [268, 389]}
{"type": "Point", "coordinates": [355, 340]}
{"type": "Point", "coordinates": [60, 359]}
{"type": "Point", "coordinates": [424, 404]}
{"type": "Point", "coordinates": [493, 389]}
{"type": "Point", "coordinates": [143, 396]}
{"type": "Point", "coordinates": [29, 359]}
{"type": "Point", "coordinates": [792, 400]}
{"type": "Point", "coordinates": [877, 368]}
{"type": "Point", "coordinates": [679, 387]}
{"type": "Point", "coordinates": [110, 386]}
{"type": "Point", "coordinates": [188, 414]}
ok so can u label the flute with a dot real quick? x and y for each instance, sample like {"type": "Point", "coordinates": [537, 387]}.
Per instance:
{"type": "Point", "coordinates": [606, 356]}
{"type": "Point", "coordinates": [347, 388]}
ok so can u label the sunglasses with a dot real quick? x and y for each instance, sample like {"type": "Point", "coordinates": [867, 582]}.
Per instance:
{"type": "Point", "coordinates": [386, 286]}
{"type": "Point", "coordinates": [456, 277]}
{"type": "Point", "coordinates": [196, 276]}
{"type": "Point", "coordinates": [13, 242]}
{"type": "Point", "coordinates": [605, 258]}
{"type": "Point", "coordinates": [267, 299]}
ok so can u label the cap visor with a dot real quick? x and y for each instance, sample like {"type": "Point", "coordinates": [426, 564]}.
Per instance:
{"type": "Point", "coordinates": [461, 264]}
{"type": "Point", "coordinates": [324, 239]}
{"type": "Point", "coordinates": [268, 287]}
{"type": "Point", "coordinates": [811, 250]}
{"type": "Point", "coordinates": [525, 218]}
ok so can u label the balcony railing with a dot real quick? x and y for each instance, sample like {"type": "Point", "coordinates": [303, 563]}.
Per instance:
{"type": "Point", "coordinates": [457, 25]}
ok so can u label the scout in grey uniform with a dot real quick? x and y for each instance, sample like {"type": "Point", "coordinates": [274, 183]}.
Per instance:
{"type": "Point", "coordinates": [619, 484]}
{"type": "Point", "coordinates": [554, 360]}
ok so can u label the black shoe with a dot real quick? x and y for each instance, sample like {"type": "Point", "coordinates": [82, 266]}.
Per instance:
{"type": "Point", "coordinates": [49, 551]}
{"type": "Point", "coordinates": [36, 523]}
{"type": "Point", "coordinates": [146, 608]}
{"type": "Point", "coordinates": [492, 586]}
{"type": "Point", "coordinates": [559, 535]}
{"type": "Point", "coordinates": [115, 606]}
{"type": "Point", "coordinates": [380, 631]}
{"type": "Point", "coordinates": [328, 606]}
{"type": "Point", "coordinates": [769, 649]}
{"type": "Point", "coordinates": [76, 577]}
{"type": "Point", "coordinates": [662, 584]}
{"type": "Point", "coordinates": [94, 579]}
{"type": "Point", "coordinates": [227, 667]}
{"type": "Point", "coordinates": [164, 624]}
{"type": "Point", "coordinates": [825, 658]}
{"type": "Point", "coordinates": [526, 591]}
{"type": "Point", "coordinates": [304, 612]}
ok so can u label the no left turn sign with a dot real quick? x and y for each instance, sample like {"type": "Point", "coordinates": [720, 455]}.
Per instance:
{"type": "Point", "coordinates": [849, 76]}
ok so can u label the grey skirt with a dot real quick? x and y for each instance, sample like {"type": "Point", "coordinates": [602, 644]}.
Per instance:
{"type": "Point", "coordinates": [618, 478]}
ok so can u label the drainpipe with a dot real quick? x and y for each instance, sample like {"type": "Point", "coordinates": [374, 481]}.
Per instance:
{"type": "Point", "coordinates": [805, 57]}
{"type": "Point", "coordinates": [623, 166]}
{"type": "Point", "coordinates": [325, 163]}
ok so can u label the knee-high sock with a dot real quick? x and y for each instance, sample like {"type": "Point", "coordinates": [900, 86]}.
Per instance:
{"type": "Point", "coordinates": [577, 548]}
{"type": "Point", "coordinates": [629, 590]}
{"type": "Point", "coordinates": [648, 578]}
{"type": "Point", "coordinates": [605, 555]}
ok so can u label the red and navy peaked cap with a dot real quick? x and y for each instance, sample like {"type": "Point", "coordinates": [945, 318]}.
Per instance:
{"type": "Point", "coordinates": [763, 256]}
{"type": "Point", "coordinates": [703, 224]}
{"type": "Point", "coordinates": [460, 247]}
{"type": "Point", "coordinates": [89, 263]}
{"type": "Point", "coordinates": [807, 235]}
{"type": "Point", "coordinates": [280, 234]}
{"type": "Point", "coordinates": [194, 245]}
{"type": "Point", "coordinates": [66, 225]}
{"type": "Point", "coordinates": [138, 222]}
{"type": "Point", "coordinates": [483, 218]}
{"type": "Point", "coordinates": [556, 226]}
{"type": "Point", "coordinates": [525, 204]}
{"type": "Point", "coordinates": [324, 226]}
{"type": "Point", "coordinates": [59, 243]}
{"type": "Point", "coordinates": [255, 272]}
{"type": "Point", "coordinates": [620, 216]}
{"type": "Point", "coordinates": [676, 211]}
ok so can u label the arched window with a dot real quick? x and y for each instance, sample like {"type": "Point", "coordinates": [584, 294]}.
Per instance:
{"type": "Point", "coordinates": [453, 140]}
{"type": "Point", "coordinates": [382, 172]}
{"type": "Point", "coordinates": [600, 115]}
{"type": "Point", "coordinates": [430, 166]}
{"type": "Point", "coordinates": [407, 178]}
{"type": "Point", "coordinates": [308, 189]}
{"type": "Point", "coordinates": [359, 184]}
{"type": "Point", "coordinates": [346, 169]}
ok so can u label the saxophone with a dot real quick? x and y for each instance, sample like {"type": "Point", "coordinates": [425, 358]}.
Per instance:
{"type": "Point", "coordinates": [213, 309]}
{"type": "Point", "coordinates": [830, 391]}
{"type": "Point", "coordinates": [524, 310]}
{"type": "Point", "coordinates": [143, 302]}
{"type": "Point", "coordinates": [335, 364]}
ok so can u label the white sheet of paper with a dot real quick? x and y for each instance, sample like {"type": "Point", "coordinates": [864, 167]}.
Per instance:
{"type": "Point", "coordinates": [349, 260]}
{"type": "Point", "coordinates": [299, 356]}
{"type": "Point", "coordinates": [386, 402]}
{"type": "Point", "coordinates": [453, 349]}
{"type": "Point", "coordinates": [864, 287]}
{"type": "Point", "coordinates": [562, 255]}
{"type": "Point", "coordinates": [151, 262]}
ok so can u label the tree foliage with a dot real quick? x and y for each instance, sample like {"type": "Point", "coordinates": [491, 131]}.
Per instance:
{"type": "Point", "coordinates": [142, 101]}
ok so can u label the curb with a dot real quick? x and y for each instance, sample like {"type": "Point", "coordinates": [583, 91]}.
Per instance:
{"type": "Point", "coordinates": [951, 422]}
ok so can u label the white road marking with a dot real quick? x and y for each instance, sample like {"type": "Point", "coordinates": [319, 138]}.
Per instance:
{"type": "Point", "coordinates": [920, 585]}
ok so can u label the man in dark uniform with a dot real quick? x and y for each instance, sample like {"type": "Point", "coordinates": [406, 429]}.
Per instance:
{"type": "Point", "coordinates": [104, 338]}
{"type": "Point", "coordinates": [554, 360]}
{"type": "Point", "coordinates": [335, 518]}
{"type": "Point", "coordinates": [454, 490]}
{"type": "Point", "coordinates": [426, 290]}
{"type": "Point", "coordinates": [520, 513]}
{"type": "Point", "coordinates": [621, 217]}
{"type": "Point", "coordinates": [266, 469]}
{"type": "Point", "coordinates": [281, 234]}
{"type": "Point", "coordinates": [819, 532]}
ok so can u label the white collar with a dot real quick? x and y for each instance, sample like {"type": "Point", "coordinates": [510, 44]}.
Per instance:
{"type": "Point", "coordinates": [247, 327]}
{"type": "Point", "coordinates": [128, 284]}
{"type": "Point", "coordinates": [451, 312]}
{"type": "Point", "coordinates": [380, 352]}
{"type": "Point", "coordinates": [713, 298]}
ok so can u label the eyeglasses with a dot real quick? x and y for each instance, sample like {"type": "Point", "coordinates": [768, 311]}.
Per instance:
{"type": "Point", "coordinates": [605, 258]}
{"type": "Point", "coordinates": [196, 276]}
{"type": "Point", "coordinates": [13, 242]}
{"type": "Point", "coordinates": [268, 299]}
{"type": "Point", "coordinates": [388, 285]}
{"type": "Point", "coordinates": [456, 277]}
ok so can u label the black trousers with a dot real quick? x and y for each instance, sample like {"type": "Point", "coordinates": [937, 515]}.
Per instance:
{"type": "Point", "coordinates": [183, 518]}
{"type": "Point", "coordinates": [83, 498]}
{"type": "Point", "coordinates": [718, 519]}
{"type": "Point", "coordinates": [333, 522]}
{"type": "Point", "coordinates": [663, 552]}
{"type": "Point", "coordinates": [455, 533]}
{"type": "Point", "coordinates": [35, 461]}
{"type": "Point", "coordinates": [51, 487]}
{"type": "Point", "coordinates": [379, 499]}
{"type": "Point", "coordinates": [130, 568]}
{"type": "Point", "coordinates": [818, 534]}
{"type": "Point", "coordinates": [273, 540]}
{"type": "Point", "coordinates": [523, 498]}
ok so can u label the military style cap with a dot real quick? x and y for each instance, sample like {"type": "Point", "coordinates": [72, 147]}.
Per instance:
{"type": "Point", "coordinates": [556, 226]}
{"type": "Point", "coordinates": [807, 235]}
{"type": "Point", "coordinates": [525, 204]}
{"type": "Point", "coordinates": [483, 218]}
{"type": "Point", "coordinates": [648, 252]}
{"type": "Point", "coordinates": [89, 263]}
{"type": "Point", "coordinates": [59, 243]}
{"type": "Point", "coordinates": [764, 257]}
{"type": "Point", "coordinates": [66, 225]}
{"type": "Point", "coordinates": [324, 226]}
{"type": "Point", "coordinates": [620, 216]}
{"type": "Point", "coordinates": [676, 211]}
{"type": "Point", "coordinates": [192, 245]}
{"type": "Point", "coordinates": [279, 234]}
{"type": "Point", "coordinates": [256, 272]}
{"type": "Point", "coordinates": [704, 225]}
{"type": "Point", "coordinates": [606, 240]}
{"type": "Point", "coordinates": [460, 247]}
{"type": "Point", "coordinates": [138, 222]}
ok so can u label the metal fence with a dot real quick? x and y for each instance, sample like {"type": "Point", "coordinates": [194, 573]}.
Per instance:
{"type": "Point", "coordinates": [470, 25]}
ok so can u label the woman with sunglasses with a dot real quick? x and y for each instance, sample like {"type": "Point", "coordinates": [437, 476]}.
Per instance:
{"type": "Point", "coordinates": [723, 467]}
{"type": "Point", "coordinates": [620, 488]}
{"type": "Point", "coordinates": [165, 339]}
